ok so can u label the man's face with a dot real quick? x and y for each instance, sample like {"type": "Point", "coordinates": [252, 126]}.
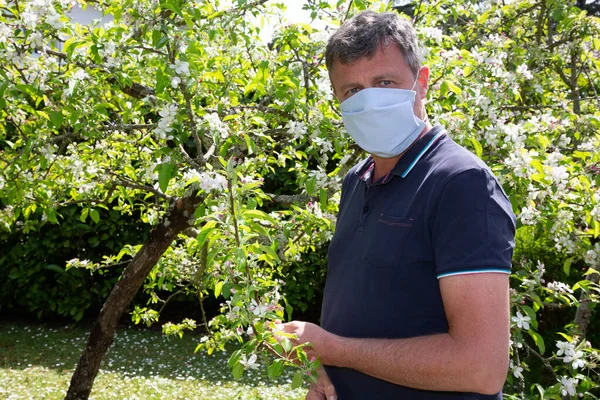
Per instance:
{"type": "Point", "coordinates": [386, 69]}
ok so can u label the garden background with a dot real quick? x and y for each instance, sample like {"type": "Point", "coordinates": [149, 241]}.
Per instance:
{"type": "Point", "coordinates": [169, 168]}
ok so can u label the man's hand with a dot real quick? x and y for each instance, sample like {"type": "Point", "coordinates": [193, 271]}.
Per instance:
{"type": "Point", "coordinates": [323, 389]}
{"type": "Point", "coordinates": [318, 337]}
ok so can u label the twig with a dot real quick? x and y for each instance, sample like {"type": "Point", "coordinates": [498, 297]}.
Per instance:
{"type": "Point", "coordinates": [348, 10]}
{"type": "Point", "coordinates": [542, 359]}
{"type": "Point", "coordinates": [171, 296]}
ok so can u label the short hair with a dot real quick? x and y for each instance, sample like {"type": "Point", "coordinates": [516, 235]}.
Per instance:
{"type": "Point", "coordinates": [361, 35]}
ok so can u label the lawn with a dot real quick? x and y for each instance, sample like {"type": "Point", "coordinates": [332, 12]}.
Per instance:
{"type": "Point", "coordinates": [36, 362]}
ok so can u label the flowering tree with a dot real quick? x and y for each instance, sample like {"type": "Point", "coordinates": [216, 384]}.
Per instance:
{"type": "Point", "coordinates": [234, 151]}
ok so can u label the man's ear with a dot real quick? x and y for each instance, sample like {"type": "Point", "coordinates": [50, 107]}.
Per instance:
{"type": "Point", "coordinates": [423, 82]}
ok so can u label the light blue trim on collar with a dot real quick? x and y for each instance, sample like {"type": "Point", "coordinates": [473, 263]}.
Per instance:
{"type": "Point", "coordinates": [418, 157]}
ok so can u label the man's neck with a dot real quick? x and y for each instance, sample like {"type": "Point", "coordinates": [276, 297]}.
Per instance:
{"type": "Point", "coordinates": [383, 166]}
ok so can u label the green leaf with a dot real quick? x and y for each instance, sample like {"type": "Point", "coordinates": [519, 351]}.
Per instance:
{"type": "Point", "coordinates": [238, 370]}
{"type": "Point", "coordinates": [531, 314]}
{"type": "Point", "coordinates": [55, 268]}
{"type": "Point", "coordinates": [477, 147]}
{"type": "Point", "coordinates": [205, 230]}
{"type": "Point", "coordinates": [539, 341]}
{"type": "Point", "coordinates": [84, 214]}
{"type": "Point", "coordinates": [165, 173]}
{"type": "Point", "coordinates": [310, 185]}
{"type": "Point", "coordinates": [218, 288]}
{"type": "Point", "coordinates": [258, 214]}
{"type": "Point", "coordinates": [162, 80]}
{"type": "Point", "coordinates": [95, 215]}
{"type": "Point", "coordinates": [451, 86]}
{"type": "Point", "coordinates": [538, 166]}
{"type": "Point", "coordinates": [286, 344]}
{"type": "Point", "coordinates": [235, 357]}
{"type": "Point", "coordinates": [56, 118]}
{"type": "Point", "coordinates": [274, 370]}
{"type": "Point", "coordinates": [567, 265]}
{"type": "Point", "coordinates": [297, 380]}
{"type": "Point", "coordinates": [249, 143]}
{"type": "Point", "coordinates": [323, 199]}
{"type": "Point", "coordinates": [70, 45]}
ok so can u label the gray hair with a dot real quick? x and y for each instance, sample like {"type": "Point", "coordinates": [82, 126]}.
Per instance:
{"type": "Point", "coordinates": [360, 36]}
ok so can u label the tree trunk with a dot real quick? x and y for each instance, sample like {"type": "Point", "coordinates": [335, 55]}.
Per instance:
{"type": "Point", "coordinates": [584, 311]}
{"type": "Point", "coordinates": [102, 335]}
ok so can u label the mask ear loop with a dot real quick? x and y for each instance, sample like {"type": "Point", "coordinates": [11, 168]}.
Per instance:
{"type": "Point", "coordinates": [426, 120]}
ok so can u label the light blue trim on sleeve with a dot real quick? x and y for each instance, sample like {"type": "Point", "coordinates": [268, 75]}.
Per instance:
{"type": "Point", "coordinates": [474, 271]}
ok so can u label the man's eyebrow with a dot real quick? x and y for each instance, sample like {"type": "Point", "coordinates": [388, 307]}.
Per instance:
{"type": "Point", "coordinates": [386, 76]}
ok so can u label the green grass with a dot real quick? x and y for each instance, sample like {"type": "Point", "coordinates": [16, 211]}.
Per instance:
{"type": "Point", "coordinates": [36, 362]}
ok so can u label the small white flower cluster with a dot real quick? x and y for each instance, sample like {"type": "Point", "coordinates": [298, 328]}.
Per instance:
{"type": "Point", "coordinates": [5, 32]}
{"type": "Point", "coordinates": [324, 145]}
{"type": "Point", "coordinates": [529, 215]}
{"type": "Point", "coordinates": [297, 129]}
{"type": "Point", "coordinates": [79, 76]}
{"type": "Point", "coordinates": [210, 182]}
{"type": "Point", "coordinates": [592, 256]}
{"type": "Point", "coordinates": [520, 162]}
{"type": "Point", "coordinates": [560, 287]}
{"type": "Point", "coordinates": [521, 320]}
{"type": "Point", "coordinates": [432, 33]}
{"type": "Point", "coordinates": [524, 71]}
{"type": "Point", "coordinates": [77, 263]}
{"type": "Point", "coordinates": [216, 125]}
{"type": "Point", "coordinates": [595, 213]}
{"type": "Point", "coordinates": [571, 355]}
{"type": "Point", "coordinates": [165, 125]}
{"type": "Point", "coordinates": [564, 242]}
{"type": "Point", "coordinates": [182, 69]}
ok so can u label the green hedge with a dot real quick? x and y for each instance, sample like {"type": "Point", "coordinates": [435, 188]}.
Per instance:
{"type": "Point", "coordinates": [33, 277]}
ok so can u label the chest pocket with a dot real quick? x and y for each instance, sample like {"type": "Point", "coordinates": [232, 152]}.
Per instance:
{"type": "Point", "coordinates": [387, 242]}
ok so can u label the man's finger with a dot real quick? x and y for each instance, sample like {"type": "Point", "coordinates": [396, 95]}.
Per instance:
{"type": "Point", "coordinates": [326, 385]}
{"type": "Point", "coordinates": [315, 395]}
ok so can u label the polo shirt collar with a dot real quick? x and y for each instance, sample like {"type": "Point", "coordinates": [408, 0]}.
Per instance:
{"type": "Point", "coordinates": [407, 162]}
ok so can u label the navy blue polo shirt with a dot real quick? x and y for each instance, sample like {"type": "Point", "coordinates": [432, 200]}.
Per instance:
{"type": "Point", "coordinates": [439, 212]}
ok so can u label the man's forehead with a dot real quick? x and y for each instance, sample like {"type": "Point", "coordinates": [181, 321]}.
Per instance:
{"type": "Point", "coordinates": [385, 62]}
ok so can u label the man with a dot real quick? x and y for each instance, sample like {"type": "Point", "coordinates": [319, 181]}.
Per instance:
{"type": "Point", "coordinates": [416, 298]}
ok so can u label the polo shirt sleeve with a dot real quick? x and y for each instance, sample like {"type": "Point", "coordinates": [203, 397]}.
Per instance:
{"type": "Point", "coordinates": [473, 229]}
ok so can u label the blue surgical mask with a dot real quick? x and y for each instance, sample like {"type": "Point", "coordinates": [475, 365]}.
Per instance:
{"type": "Point", "coordinates": [382, 121]}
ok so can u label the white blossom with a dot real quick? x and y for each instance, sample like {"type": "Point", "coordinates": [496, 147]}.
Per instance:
{"type": "Point", "coordinates": [432, 33]}
{"type": "Point", "coordinates": [209, 182]}
{"type": "Point", "coordinates": [54, 20]}
{"type": "Point", "coordinates": [517, 371]}
{"type": "Point", "coordinates": [30, 19]}
{"type": "Point", "coordinates": [529, 215]}
{"type": "Point", "coordinates": [560, 287]}
{"type": "Point", "coordinates": [521, 320]}
{"type": "Point", "coordinates": [181, 68]}
{"type": "Point", "coordinates": [168, 114]}
{"type": "Point", "coordinates": [523, 70]}
{"type": "Point", "coordinates": [568, 386]}
{"type": "Point", "coordinates": [250, 362]}
{"type": "Point", "coordinates": [296, 128]}
{"type": "Point", "coordinates": [216, 125]}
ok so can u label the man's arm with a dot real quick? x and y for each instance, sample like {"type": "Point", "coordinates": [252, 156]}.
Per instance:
{"type": "Point", "coordinates": [471, 357]}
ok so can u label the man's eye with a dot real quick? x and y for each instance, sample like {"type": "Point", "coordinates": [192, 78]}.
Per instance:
{"type": "Point", "coordinates": [385, 83]}
{"type": "Point", "coordinates": [353, 90]}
